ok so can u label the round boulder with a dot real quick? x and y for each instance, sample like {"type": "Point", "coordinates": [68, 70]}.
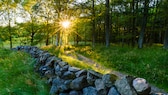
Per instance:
{"type": "Point", "coordinates": [141, 86]}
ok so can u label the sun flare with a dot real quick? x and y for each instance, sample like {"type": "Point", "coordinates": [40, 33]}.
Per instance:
{"type": "Point", "coordinates": [65, 24]}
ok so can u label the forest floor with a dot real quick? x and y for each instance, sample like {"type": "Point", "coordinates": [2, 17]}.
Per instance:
{"type": "Point", "coordinates": [90, 62]}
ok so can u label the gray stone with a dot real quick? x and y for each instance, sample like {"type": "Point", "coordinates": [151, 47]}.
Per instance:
{"type": "Point", "coordinates": [92, 76]}
{"type": "Point", "coordinates": [39, 53]}
{"type": "Point", "coordinates": [67, 83]}
{"type": "Point", "coordinates": [55, 64]}
{"type": "Point", "coordinates": [49, 73]}
{"type": "Point", "coordinates": [81, 73]}
{"type": "Point", "coordinates": [79, 83]}
{"type": "Point", "coordinates": [57, 70]}
{"type": "Point", "coordinates": [124, 87]}
{"type": "Point", "coordinates": [57, 81]}
{"type": "Point", "coordinates": [43, 57]}
{"type": "Point", "coordinates": [109, 79]}
{"type": "Point", "coordinates": [141, 86]}
{"type": "Point", "coordinates": [49, 80]}
{"type": "Point", "coordinates": [90, 91]}
{"type": "Point", "coordinates": [96, 74]}
{"type": "Point", "coordinates": [73, 69]}
{"type": "Point", "coordinates": [99, 84]}
{"type": "Point", "coordinates": [65, 68]}
{"type": "Point", "coordinates": [50, 61]}
{"type": "Point", "coordinates": [73, 92]}
{"type": "Point", "coordinates": [113, 91]}
{"type": "Point", "coordinates": [62, 63]}
{"type": "Point", "coordinates": [158, 94]}
{"type": "Point", "coordinates": [27, 49]}
{"type": "Point", "coordinates": [17, 48]}
{"type": "Point", "coordinates": [59, 85]}
{"type": "Point", "coordinates": [33, 54]}
{"type": "Point", "coordinates": [68, 75]}
{"type": "Point", "coordinates": [63, 88]}
{"type": "Point", "coordinates": [102, 92]}
{"type": "Point", "coordinates": [43, 69]}
{"type": "Point", "coordinates": [63, 93]}
{"type": "Point", "coordinates": [35, 49]}
{"type": "Point", "coordinates": [54, 89]}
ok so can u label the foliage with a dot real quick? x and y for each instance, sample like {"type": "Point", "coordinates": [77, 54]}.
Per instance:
{"type": "Point", "coordinates": [17, 76]}
{"type": "Point", "coordinates": [149, 63]}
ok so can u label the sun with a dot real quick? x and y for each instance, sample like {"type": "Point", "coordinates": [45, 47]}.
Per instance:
{"type": "Point", "coordinates": [65, 24]}
{"type": "Point", "coordinates": [19, 20]}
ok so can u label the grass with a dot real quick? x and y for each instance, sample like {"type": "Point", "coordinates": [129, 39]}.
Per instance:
{"type": "Point", "coordinates": [149, 62]}
{"type": "Point", "coordinates": [59, 52]}
{"type": "Point", "coordinates": [17, 76]}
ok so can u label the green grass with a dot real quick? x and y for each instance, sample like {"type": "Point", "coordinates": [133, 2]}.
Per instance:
{"type": "Point", "coordinates": [59, 52]}
{"type": "Point", "coordinates": [150, 63]}
{"type": "Point", "coordinates": [17, 76]}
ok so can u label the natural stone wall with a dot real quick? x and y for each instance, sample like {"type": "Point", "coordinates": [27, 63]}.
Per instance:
{"type": "Point", "coordinates": [68, 80]}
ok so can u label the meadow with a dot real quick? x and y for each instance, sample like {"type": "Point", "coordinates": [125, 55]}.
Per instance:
{"type": "Point", "coordinates": [17, 76]}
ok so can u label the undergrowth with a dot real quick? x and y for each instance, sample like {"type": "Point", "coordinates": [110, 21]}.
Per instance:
{"type": "Point", "coordinates": [17, 76]}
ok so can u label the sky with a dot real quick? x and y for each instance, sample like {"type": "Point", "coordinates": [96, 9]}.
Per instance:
{"type": "Point", "coordinates": [19, 16]}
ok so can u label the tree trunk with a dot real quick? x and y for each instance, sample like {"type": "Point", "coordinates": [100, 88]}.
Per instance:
{"type": "Point", "coordinates": [32, 38]}
{"type": "Point", "coordinates": [47, 29]}
{"type": "Point", "coordinates": [93, 25]}
{"type": "Point", "coordinates": [58, 33]}
{"type": "Point", "coordinates": [9, 27]}
{"type": "Point", "coordinates": [165, 40]}
{"type": "Point", "coordinates": [32, 33]}
{"type": "Point", "coordinates": [133, 23]}
{"type": "Point", "coordinates": [107, 23]}
{"type": "Point", "coordinates": [57, 38]}
{"type": "Point", "coordinates": [47, 40]}
{"type": "Point", "coordinates": [144, 22]}
{"type": "Point", "coordinates": [10, 39]}
{"type": "Point", "coordinates": [85, 37]}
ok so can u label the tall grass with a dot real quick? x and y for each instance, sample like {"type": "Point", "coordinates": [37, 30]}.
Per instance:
{"type": "Point", "coordinates": [150, 63]}
{"type": "Point", "coordinates": [17, 76]}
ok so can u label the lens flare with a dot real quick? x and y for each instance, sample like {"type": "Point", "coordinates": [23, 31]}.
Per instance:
{"type": "Point", "coordinates": [65, 24]}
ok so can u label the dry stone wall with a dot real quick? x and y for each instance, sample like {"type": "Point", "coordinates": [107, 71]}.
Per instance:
{"type": "Point", "coordinates": [68, 80]}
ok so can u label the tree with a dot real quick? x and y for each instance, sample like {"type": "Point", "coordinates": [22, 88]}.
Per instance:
{"type": "Point", "coordinates": [93, 23]}
{"type": "Point", "coordinates": [164, 8]}
{"type": "Point", "coordinates": [31, 26]}
{"type": "Point", "coordinates": [46, 14]}
{"type": "Point", "coordinates": [107, 24]}
{"type": "Point", "coordinates": [144, 23]}
{"type": "Point", "coordinates": [9, 6]}
{"type": "Point", "coordinates": [133, 23]}
{"type": "Point", "coordinates": [62, 9]}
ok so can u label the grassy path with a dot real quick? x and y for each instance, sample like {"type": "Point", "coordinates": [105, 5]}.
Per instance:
{"type": "Point", "coordinates": [92, 63]}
